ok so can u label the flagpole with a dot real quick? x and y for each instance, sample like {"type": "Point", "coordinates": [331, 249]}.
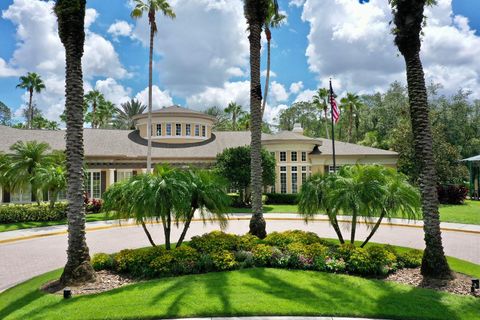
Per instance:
{"type": "Point", "coordinates": [333, 128]}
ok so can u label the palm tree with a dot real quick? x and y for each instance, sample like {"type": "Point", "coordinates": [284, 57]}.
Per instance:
{"type": "Point", "coordinates": [274, 20]}
{"type": "Point", "coordinates": [244, 121]}
{"type": "Point", "coordinates": [93, 99]}
{"type": "Point", "coordinates": [221, 120]}
{"type": "Point", "coordinates": [408, 19]}
{"type": "Point", "coordinates": [71, 29]}
{"type": "Point", "coordinates": [106, 113]}
{"type": "Point", "coordinates": [31, 82]}
{"type": "Point", "coordinates": [126, 112]}
{"type": "Point", "coordinates": [52, 179]}
{"type": "Point", "coordinates": [320, 100]}
{"type": "Point", "coordinates": [151, 6]}
{"type": "Point", "coordinates": [235, 110]}
{"type": "Point", "coordinates": [256, 13]}
{"type": "Point", "coordinates": [352, 104]}
{"type": "Point", "coordinates": [26, 157]}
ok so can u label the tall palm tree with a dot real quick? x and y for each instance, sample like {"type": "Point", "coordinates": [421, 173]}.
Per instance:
{"type": "Point", "coordinates": [320, 100]}
{"type": "Point", "coordinates": [71, 29]}
{"type": "Point", "coordinates": [106, 113]}
{"type": "Point", "coordinates": [235, 110]}
{"type": "Point", "coordinates": [256, 13]}
{"type": "Point", "coordinates": [221, 120]}
{"type": "Point", "coordinates": [274, 20]}
{"type": "Point", "coordinates": [51, 179]}
{"type": "Point", "coordinates": [94, 99]}
{"type": "Point", "coordinates": [408, 19]}
{"type": "Point", "coordinates": [151, 7]}
{"type": "Point", "coordinates": [31, 82]}
{"type": "Point", "coordinates": [352, 104]}
{"type": "Point", "coordinates": [126, 112]}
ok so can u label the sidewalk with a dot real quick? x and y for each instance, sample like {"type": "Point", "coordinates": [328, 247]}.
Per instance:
{"type": "Point", "coordinates": [24, 234]}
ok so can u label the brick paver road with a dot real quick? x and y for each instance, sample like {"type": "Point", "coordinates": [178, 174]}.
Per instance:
{"type": "Point", "coordinates": [24, 259]}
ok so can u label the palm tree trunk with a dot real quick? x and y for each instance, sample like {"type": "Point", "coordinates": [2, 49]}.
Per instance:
{"type": "Point", "coordinates": [350, 124]}
{"type": "Point", "coordinates": [185, 228]}
{"type": "Point", "coordinates": [149, 236]}
{"type": "Point", "coordinates": [267, 78]}
{"type": "Point", "coordinates": [375, 228]}
{"type": "Point", "coordinates": [326, 123]}
{"type": "Point", "coordinates": [354, 226]}
{"type": "Point", "coordinates": [336, 227]}
{"type": "Point", "coordinates": [150, 84]}
{"type": "Point", "coordinates": [434, 262]}
{"type": "Point", "coordinates": [71, 16]}
{"type": "Point", "coordinates": [94, 117]}
{"type": "Point", "coordinates": [30, 110]}
{"type": "Point", "coordinates": [257, 222]}
{"type": "Point", "coordinates": [167, 223]}
{"type": "Point", "coordinates": [234, 120]}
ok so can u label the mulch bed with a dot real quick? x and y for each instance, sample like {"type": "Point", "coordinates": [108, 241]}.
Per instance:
{"type": "Point", "coordinates": [461, 284]}
{"type": "Point", "coordinates": [106, 280]}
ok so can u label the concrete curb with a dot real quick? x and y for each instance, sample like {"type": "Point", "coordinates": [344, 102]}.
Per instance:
{"type": "Point", "coordinates": [276, 318]}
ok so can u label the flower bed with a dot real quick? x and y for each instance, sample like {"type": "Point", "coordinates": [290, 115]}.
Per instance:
{"type": "Point", "coordinates": [218, 251]}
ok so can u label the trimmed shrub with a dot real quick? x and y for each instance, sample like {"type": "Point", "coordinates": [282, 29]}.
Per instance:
{"type": "Point", "coordinates": [279, 259]}
{"type": "Point", "coordinates": [410, 259]}
{"type": "Point", "coordinates": [245, 259]}
{"type": "Point", "coordinates": [161, 265]}
{"type": "Point", "coordinates": [344, 251]}
{"type": "Point", "coordinates": [335, 265]}
{"type": "Point", "coordinates": [359, 262]}
{"type": "Point", "coordinates": [223, 260]}
{"type": "Point", "coordinates": [283, 239]}
{"type": "Point", "coordinates": [137, 262]}
{"type": "Point", "coordinates": [214, 241]}
{"type": "Point", "coordinates": [13, 213]}
{"type": "Point", "coordinates": [102, 261]}
{"type": "Point", "coordinates": [452, 194]}
{"type": "Point", "coordinates": [281, 198]}
{"type": "Point", "coordinates": [205, 263]}
{"type": "Point", "coordinates": [383, 260]}
{"type": "Point", "coordinates": [185, 260]}
{"type": "Point", "coordinates": [247, 242]}
{"type": "Point", "coordinates": [262, 254]}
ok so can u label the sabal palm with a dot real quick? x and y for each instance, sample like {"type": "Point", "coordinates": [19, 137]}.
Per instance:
{"type": "Point", "coordinates": [408, 17]}
{"type": "Point", "coordinates": [94, 99]}
{"type": "Point", "coordinates": [126, 112]}
{"type": "Point", "coordinates": [32, 82]}
{"type": "Point", "coordinates": [71, 29]}
{"type": "Point", "coordinates": [352, 105]}
{"type": "Point", "coordinates": [256, 12]}
{"type": "Point", "coordinates": [320, 100]}
{"type": "Point", "coordinates": [235, 110]}
{"type": "Point", "coordinates": [106, 113]}
{"type": "Point", "coordinates": [151, 7]}
{"type": "Point", "coordinates": [52, 179]}
{"type": "Point", "coordinates": [274, 20]}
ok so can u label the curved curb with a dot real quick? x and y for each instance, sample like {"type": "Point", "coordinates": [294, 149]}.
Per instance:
{"type": "Point", "coordinates": [278, 318]}
{"type": "Point", "coordinates": [129, 224]}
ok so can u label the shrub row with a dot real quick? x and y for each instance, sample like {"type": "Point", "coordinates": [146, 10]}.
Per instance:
{"type": "Point", "coordinates": [218, 251]}
{"type": "Point", "coordinates": [13, 213]}
{"type": "Point", "coordinates": [281, 198]}
{"type": "Point", "coordinates": [452, 194]}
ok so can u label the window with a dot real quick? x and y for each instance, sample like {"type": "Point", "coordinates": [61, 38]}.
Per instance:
{"type": "Point", "coordinates": [94, 184]}
{"type": "Point", "coordinates": [294, 169]}
{"type": "Point", "coordinates": [204, 131]}
{"type": "Point", "coordinates": [293, 156]}
{"type": "Point", "coordinates": [159, 129]}
{"type": "Point", "coordinates": [330, 169]}
{"type": "Point", "coordinates": [304, 168]}
{"type": "Point", "coordinates": [23, 195]}
{"type": "Point", "coordinates": [283, 179]}
{"type": "Point", "coordinates": [169, 129]}
{"type": "Point", "coordinates": [178, 129]}
{"type": "Point", "coordinates": [197, 130]}
{"type": "Point", "coordinates": [294, 181]}
{"type": "Point", "coordinates": [304, 177]}
{"type": "Point", "coordinates": [123, 175]}
{"type": "Point", "coordinates": [188, 129]}
{"type": "Point", "coordinates": [304, 156]}
{"type": "Point", "coordinates": [283, 156]}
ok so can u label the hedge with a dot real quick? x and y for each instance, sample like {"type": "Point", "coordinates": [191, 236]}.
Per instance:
{"type": "Point", "coordinates": [452, 194]}
{"type": "Point", "coordinates": [13, 213]}
{"type": "Point", "coordinates": [281, 198]}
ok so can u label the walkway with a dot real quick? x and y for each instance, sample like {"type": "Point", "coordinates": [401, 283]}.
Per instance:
{"type": "Point", "coordinates": [26, 253]}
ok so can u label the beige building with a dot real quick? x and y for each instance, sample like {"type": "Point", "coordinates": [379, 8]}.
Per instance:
{"type": "Point", "coordinates": [183, 137]}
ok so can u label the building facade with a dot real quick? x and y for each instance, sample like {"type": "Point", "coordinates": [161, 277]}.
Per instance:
{"type": "Point", "coordinates": [183, 137]}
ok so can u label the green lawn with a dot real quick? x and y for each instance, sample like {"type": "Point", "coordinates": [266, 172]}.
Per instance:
{"type": "Point", "coordinates": [241, 293]}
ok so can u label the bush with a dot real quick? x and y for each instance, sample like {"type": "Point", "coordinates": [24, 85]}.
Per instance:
{"type": "Point", "coordinates": [223, 260]}
{"type": "Point", "coordinates": [452, 194]}
{"type": "Point", "coordinates": [102, 261]}
{"type": "Point", "coordinates": [247, 242]}
{"type": "Point", "coordinates": [185, 260]}
{"type": "Point", "coordinates": [383, 260]}
{"type": "Point", "coordinates": [262, 254]}
{"type": "Point", "coordinates": [283, 239]}
{"type": "Point", "coordinates": [13, 213]}
{"type": "Point", "coordinates": [359, 262]}
{"type": "Point", "coordinates": [161, 265]}
{"type": "Point", "coordinates": [137, 262]}
{"type": "Point", "coordinates": [214, 241]}
{"type": "Point", "coordinates": [280, 259]}
{"type": "Point", "coordinates": [281, 198]}
{"type": "Point", "coordinates": [410, 259]}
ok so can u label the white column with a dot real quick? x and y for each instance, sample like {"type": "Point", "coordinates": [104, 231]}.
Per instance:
{"type": "Point", "coordinates": [111, 177]}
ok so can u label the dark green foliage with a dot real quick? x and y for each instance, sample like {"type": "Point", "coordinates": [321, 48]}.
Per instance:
{"type": "Point", "coordinates": [214, 241]}
{"type": "Point", "coordinates": [281, 198]}
{"type": "Point", "coordinates": [223, 260]}
{"type": "Point", "coordinates": [283, 239]}
{"type": "Point", "coordinates": [103, 261]}
{"type": "Point", "coordinates": [452, 194]}
{"type": "Point", "coordinates": [410, 259]}
{"type": "Point", "coordinates": [13, 213]}
{"type": "Point", "coordinates": [5, 114]}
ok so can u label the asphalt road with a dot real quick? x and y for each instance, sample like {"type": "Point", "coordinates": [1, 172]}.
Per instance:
{"type": "Point", "coordinates": [22, 260]}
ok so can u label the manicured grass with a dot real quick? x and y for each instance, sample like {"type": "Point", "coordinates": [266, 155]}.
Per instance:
{"type": "Point", "coordinates": [269, 208]}
{"type": "Point", "coordinates": [241, 293]}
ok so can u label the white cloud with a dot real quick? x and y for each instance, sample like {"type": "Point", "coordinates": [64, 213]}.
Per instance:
{"type": "Point", "coordinates": [238, 92]}
{"type": "Point", "coordinates": [90, 16]}
{"type": "Point", "coordinates": [358, 52]}
{"type": "Point", "coordinates": [113, 91]}
{"type": "Point", "coordinates": [296, 3]}
{"type": "Point", "coordinates": [160, 98]}
{"type": "Point", "coordinates": [271, 114]}
{"type": "Point", "coordinates": [120, 29]}
{"type": "Point", "coordinates": [204, 46]}
{"type": "Point", "coordinates": [7, 71]}
{"type": "Point", "coordinates": [278, 92]}
{"type": "Point", "coordinates": [296, 87]}
{"type": "Point", "coordinates": [272, 73]}
{"type": "Point", "coordinates": [305, 96]}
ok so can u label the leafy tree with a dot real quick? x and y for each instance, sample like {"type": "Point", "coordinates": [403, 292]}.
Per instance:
{"type": "Point", "coordinates": [371, 192]}
{"type": "Point", "coordinates": [32, 82]}
{"type": "Point", "coordinates": [71, 29]}
{"type": "Point", "coordinates": [235, 111]}
{"type": "Point", "coordinates": [151, 7]}
{"type": "Point", "coordinates": [126, 112]}
{"type": "Point", "coordinates": [221, 121]}
{"type": "Point", "coordinates": [352, 105]}
{"type": "Point", "coordinates": [5, 114]}
{"type": "Point", "coordinates": [234, 165]}
{"type": "Point", "coordinates": [409, 19]}
{"type": "Point", "coordinates": [274, 20]}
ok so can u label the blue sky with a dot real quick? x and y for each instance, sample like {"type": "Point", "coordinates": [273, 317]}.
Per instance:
{"type": "Point", "coordinates": [202, 57]}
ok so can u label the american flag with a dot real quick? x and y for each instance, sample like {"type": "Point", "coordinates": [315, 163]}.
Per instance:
{"type": "Point", "coordinates": [333, 104]}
